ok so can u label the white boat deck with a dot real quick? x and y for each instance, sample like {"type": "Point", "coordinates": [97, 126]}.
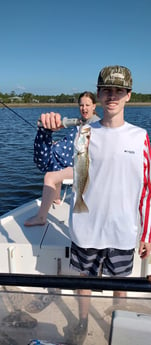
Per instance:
{"type": "Point", "coordinates": [28, 249]}
{"type": "Point", "coordinates": [42, 249]}
{"type": "Point", "coordinates": [43, 313]}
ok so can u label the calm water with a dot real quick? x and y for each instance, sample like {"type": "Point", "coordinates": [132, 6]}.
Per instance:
{"type": "Point", "coordinates": [20, 180]}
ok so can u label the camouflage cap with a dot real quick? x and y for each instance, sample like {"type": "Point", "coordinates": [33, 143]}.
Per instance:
{"type": "Point", "coordinates": [116, 76]}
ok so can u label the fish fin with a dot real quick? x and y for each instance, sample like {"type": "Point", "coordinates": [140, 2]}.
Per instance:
{"type": "Point", "coordinates": [80, 206]}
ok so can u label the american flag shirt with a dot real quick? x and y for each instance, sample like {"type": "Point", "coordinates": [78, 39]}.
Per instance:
{"type": "Point", "coordinates": [50, 155]}
{"type": "Point", "coordinates": [53, 156]}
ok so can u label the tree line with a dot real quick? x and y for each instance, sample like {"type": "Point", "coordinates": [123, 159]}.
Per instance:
{"type": "Point", "coordinates": [62, 98]}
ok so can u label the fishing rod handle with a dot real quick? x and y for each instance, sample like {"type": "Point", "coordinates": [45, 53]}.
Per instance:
{"type": "Point", "coordinates": [66, 122]}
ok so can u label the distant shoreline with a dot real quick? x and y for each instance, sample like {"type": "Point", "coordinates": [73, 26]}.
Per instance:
{"type": "Point", "coordinates": [59, 105]}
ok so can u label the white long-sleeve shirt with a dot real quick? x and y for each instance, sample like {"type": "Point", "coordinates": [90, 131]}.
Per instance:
{"type": "Point", "coordinates": [119, 188]}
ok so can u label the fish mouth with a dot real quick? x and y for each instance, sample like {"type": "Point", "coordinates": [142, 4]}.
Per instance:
{"type": "Point", "coordinates": [85, 130]}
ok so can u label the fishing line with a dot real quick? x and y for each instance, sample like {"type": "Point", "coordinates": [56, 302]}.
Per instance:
{"type": "Point", "coordinates": [15, 112]}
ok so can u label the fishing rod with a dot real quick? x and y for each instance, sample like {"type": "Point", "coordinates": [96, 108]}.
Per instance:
{"type": "Point", "coordinates": [66, 122]}
{"type": "Point", "coordinates": [15, 112]}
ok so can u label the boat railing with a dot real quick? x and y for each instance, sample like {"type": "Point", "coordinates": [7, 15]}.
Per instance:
{"type": "Point", "coordinates": [134, 284]}
{"type": "Point", "coordinates": [26, 318]}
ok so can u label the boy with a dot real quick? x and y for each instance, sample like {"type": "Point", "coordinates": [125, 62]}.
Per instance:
{"type": "Point", "coordinates": [119, 188]}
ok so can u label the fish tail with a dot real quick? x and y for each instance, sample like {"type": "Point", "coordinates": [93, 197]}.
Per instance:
{"type": "Point", "coordinates": [80, 206]}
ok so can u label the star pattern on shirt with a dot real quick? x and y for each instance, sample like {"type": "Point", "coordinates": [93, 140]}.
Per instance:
{"type": "Point", "coordinates": [50, 155]}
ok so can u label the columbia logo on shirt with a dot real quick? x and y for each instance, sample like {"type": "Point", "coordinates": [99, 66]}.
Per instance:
{"type": "Point", "coordinates": [129, 151]}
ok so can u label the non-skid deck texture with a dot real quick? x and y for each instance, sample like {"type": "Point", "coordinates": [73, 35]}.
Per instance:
{"type": "Point", "coordinates": [52, 316]}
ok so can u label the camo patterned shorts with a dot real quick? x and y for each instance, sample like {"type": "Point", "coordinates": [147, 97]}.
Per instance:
{"type": "Point", "coordinates": [109, 261]}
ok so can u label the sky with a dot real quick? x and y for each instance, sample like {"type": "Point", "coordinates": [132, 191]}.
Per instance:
{"type": "Point", "coordinates": [49, 47]}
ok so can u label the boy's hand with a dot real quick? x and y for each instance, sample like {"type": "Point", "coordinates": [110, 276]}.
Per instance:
{"type": "Point", "coordinates": [144, 250]}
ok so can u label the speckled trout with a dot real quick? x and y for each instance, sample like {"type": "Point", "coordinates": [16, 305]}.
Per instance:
{"type": "Point", "coordinates": [81, 168]}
